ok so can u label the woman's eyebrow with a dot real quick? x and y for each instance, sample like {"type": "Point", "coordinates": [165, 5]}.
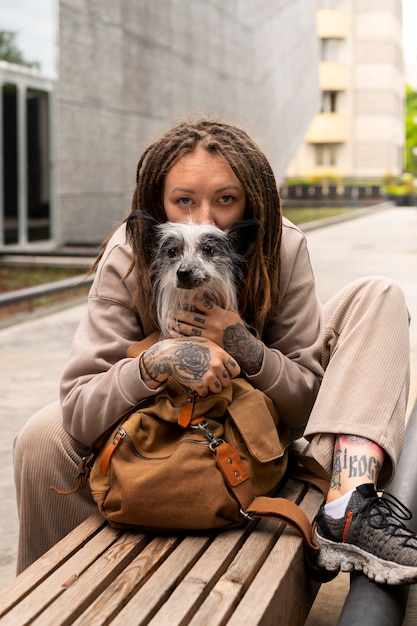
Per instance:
{"type": "Point", "coordinates": [188, 190]}
{"type": "Point", "coordinates": [228, 188]}
{"type": "Point", "coordinates": [182, 189]}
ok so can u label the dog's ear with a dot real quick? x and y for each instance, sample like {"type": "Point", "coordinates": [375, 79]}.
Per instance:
{"type": "Point", "coordinates": [149, 223]}
{"type": "Point", "coordinates": [150, 230]}
{"type": "Point", "coordinates": [243, 236]}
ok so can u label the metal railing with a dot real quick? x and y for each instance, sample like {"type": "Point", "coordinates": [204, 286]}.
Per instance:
{"type": "Point", "coordinates": [29, 294]}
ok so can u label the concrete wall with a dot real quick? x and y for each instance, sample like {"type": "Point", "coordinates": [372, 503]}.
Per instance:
{"type": "Point", "coordinates": [129, 69]}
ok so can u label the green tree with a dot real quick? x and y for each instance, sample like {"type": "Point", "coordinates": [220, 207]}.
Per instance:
{"type": "Point", "coordinates": [10, 52]}
{"type": "Point", "coordinates": [411, 131]}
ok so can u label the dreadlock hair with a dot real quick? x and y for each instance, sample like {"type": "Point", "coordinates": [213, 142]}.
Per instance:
{"type": "Point", "coordinates": [251, 167]}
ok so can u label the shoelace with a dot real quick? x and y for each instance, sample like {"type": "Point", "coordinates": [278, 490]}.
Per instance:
{"type": "Point", "coordinates": [389, 512]}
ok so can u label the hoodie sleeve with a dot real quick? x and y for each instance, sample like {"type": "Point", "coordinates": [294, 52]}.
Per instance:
{"type": "Point", "coordinates": [291, 371]}
{"type": "Point", "coordinates": [100, 384]}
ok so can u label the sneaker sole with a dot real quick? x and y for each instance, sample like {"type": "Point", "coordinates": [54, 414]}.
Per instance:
{"type": "Point", "coordinates": [335, 557]}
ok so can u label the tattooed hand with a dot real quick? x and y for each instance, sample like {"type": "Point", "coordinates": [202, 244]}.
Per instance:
{"type": "Point", "coordinates": [248, 351]}
{"type": "Point", "coordinates": [223, 327]}
{"type": "Point", "coordinates": [197, 363]}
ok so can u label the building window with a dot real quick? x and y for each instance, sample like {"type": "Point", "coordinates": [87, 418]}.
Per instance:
{"type": "Point", "coordinates": [329, 49]}
{"type": "Point", "coordinates": [329, 102]}
{"type": "Point", "coordinates": [25, 202]}
{"type": "Point", "coordinates": [326, 154]}
{"type": "Point", "coordinates": [10, 164]}
{"type": "Point", "coordinates": [38, 168]}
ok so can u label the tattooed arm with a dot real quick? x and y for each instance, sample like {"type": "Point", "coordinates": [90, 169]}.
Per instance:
{"type": "Point", "coordinates": [223, 327]}
{"type": "Point", "coordinates": [197, 363]}
{"type": "Point", "coordinates": [248, 351]}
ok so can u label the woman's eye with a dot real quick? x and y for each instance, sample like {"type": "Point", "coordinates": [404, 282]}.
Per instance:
{"type": "Point", "coordinates": [172, 253]}
{"type": "Point", "coordinates": [208, 250]}
{"type": "Point", "coordinates": [226, 199]}
{"type": "Point", "coordinates": [184, 201]}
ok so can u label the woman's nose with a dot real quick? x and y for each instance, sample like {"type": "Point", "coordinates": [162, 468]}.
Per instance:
{"type": "Point", "coordinates": [205, 214]}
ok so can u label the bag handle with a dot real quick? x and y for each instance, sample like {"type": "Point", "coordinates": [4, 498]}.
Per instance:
{"type": "Point", "coordinates": [283, 510]}
{"type": "Point", "coordinates": [280, 509]}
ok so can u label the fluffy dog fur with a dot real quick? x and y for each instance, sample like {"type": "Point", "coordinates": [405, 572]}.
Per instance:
{"type": "Point", "coordinates": [192, 262]}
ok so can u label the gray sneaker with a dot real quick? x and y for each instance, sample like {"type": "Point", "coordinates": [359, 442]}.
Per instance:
{"type": "Point", "coordinates": [371, 538]}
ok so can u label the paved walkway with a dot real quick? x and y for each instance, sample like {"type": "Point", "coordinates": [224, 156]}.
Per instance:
{"type": "Point", "coordinates": [34, 352]}
{"type": "Point", "coordinates": [381, 243]}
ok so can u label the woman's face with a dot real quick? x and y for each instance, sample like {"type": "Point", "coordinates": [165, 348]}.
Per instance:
{"type": "Point", "coordinates": [202, 186]}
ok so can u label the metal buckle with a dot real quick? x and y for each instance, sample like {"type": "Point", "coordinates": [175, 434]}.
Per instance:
{"type": "Point", "coordinates": [214, 442]}
{"type": "Point", "coordinates": [247, 517]}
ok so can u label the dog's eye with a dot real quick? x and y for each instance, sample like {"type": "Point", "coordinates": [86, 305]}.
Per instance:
{"type": "Point", "coordinates": [209, 250]}
{"type": "Point", "coordinates": [172, 253]}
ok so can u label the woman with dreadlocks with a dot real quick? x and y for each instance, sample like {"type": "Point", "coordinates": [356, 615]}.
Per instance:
{"type": "Point", "coordinates": [336, 373]}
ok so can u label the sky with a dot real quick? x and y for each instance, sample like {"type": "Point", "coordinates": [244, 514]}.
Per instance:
{"type": "Point", "coordinates": [409, 30]}
{"type": "Point", "coordinates": [35, 22]}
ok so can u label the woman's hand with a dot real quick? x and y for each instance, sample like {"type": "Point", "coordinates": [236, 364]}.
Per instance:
{"type": "Point", "coordinates": [196, 362]}
{"type": "Point", "coordinates": [223, 327]}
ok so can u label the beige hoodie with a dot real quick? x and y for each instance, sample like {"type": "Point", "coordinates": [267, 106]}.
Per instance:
{"type": "Point", "coordinates": [100, 384]}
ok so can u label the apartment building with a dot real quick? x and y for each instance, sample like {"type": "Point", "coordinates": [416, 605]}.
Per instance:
{"type": "Point", "coordinates": [359, 130]}
{"type": "Point", "coordinates": [128, 70]}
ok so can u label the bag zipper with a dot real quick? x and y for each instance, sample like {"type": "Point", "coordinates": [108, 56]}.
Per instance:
{"type": "Point", "coordinates": [108, 452]}
{"type": "Point", "coordinates": [122, 435]}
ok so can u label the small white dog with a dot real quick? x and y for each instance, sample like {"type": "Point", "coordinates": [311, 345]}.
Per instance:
{"type": "Point", "coordinates": [192, 262]}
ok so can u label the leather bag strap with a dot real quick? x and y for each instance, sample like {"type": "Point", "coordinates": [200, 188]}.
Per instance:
{"type": "Point", "coordinates": [283, 510]}
{"type": "Point", "coordinates": [235, 474]}
{"type": "Point", "coordinates": [280, 509]}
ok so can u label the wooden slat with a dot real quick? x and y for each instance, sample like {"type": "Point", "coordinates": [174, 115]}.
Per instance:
{"type": "Point", "coordinates": [230, 588]}
{"type": "Point", "coordinates": [98, 575]}
{"type": "Point", "coordinates": [55, 585]}
{"type": "Point", "coordinates": [281, 593]}
{"type": "Point", "coordinates": [196, 584]}
{"type": "Point", "coordinates": [85, 589]}
{"type": "Point", "coordinates": [293, 490]}
{"type": "Point", "coordinates": [118, 593]}
{"type": "Point", "coordinates": [17, 589]}
{"type": "Point", "coordinates": [157, 589]}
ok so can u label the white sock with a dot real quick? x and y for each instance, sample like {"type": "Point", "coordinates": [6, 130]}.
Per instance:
{"type": "Point", "coordinates": [337, 508]}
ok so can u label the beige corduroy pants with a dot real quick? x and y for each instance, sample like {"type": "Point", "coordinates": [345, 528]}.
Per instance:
{"type": "Point", "coordinates": [364, 392]}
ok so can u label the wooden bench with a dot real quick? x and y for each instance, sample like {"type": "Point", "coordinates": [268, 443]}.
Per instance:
{"type": "Point", "coordinates": [98, 575]}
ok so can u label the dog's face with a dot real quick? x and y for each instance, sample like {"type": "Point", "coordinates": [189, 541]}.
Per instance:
{"type": "Point", "coordinates": [192, 262]}
{"type": "Point", "coordinates": [195, 256]}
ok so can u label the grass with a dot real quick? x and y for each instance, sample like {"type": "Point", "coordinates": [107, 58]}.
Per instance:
{"type": "Point", "coordinates": [302, 215]}
{"type": "Point", "coordinates": [17, 277]}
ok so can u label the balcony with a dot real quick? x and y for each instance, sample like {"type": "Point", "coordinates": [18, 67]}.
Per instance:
{"type": "Point", "coordinates": [332, 24]}
{"type": "Point", "coordinates": [333, 76]}
{"type": "Point", "coordinates": [328, 128]}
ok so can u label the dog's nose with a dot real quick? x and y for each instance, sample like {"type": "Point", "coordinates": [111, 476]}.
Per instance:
{"type": "Point", "coordinates": [187, 278]}
{"type": "Point", "coordinates": [184, 275]}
